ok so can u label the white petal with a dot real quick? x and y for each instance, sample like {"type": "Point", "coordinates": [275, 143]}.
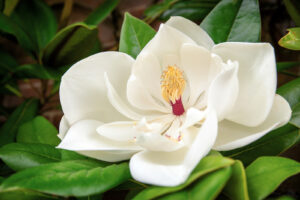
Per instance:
{"type": "Point", "coordinates": [83, 138]}
{"type": "Point", "coordinates": [232, 135]}
{"type": "Point", "coordinates": [192, 30]}
{"type": "Point", "coordinates": [173, 168]}
{"type": "Point", "coordinates": [192, 117]}
{"type": "Point", "coordinates": [83, 93]}
{"type": "Point", "coordinates": [224, 90]}
{"type": "Point", "coordinates": [257, 80]}
{"type": "Point", "coordinates": [63, 127]}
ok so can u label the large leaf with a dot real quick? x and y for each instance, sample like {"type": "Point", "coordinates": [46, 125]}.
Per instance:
{"type": "Point", "coordinates": [265, 174]}
{"type": "Point", "coordinates": [100, 13]}
{"type": "Point", "coordinates": [291, 92]}
{"type": "Point", "coordinates": [38, 130]}
{"type": "Point", "coordinates": [37, 20]}
{"type": "Point", "coordinates": [71, 44]}
{"type": "Point", "coordinates": [234, 20]}
{"type": "Point", "coordinates": [69, 178]}
{"type": "Point", "coordinates": [206, 188]}
{"type": "Point", "coordinates": [295, 120]}
{"type": "Point", "coordinates": [24, 194]}
{"type": "Point", "coordinates": [291, 40]}
{"type": "Point", "coordinates": [236, 187]}
{"type": "Point", "coordinates": [135, 34]}
{"type": "Point", "coordinates": [25, 112]}
{"type": "Point", "coordinates": [206, 165]}
{"type": "Point", "coordinates": [272, 144]}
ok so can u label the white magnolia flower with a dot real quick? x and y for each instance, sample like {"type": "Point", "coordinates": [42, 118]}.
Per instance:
{"type": "Point", "coordinates": [180, 98]}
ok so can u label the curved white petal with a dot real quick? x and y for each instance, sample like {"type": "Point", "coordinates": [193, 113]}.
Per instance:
{"type": "Point", "coordinates": [83, 138]}
{"type": "Point", "coordinates": [173, 168]}
{"type": "Point", "coordinates": [257, 80]}
{"type": "Point", "coordinates": [232, 135]}
{"type": "Point", "coordinates": [63, 127]}
{"type": "Point", "coordinates": [83, 94]}
{"type": "Point", "coordinates": [192, 30]}
{"type": "Point", "coordinates": [224, 90]}
{"type": "Point", "coordinates": [192, 117]}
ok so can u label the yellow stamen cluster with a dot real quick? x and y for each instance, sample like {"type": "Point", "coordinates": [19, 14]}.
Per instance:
{"type": "Point", "coordinates": [172, 84]}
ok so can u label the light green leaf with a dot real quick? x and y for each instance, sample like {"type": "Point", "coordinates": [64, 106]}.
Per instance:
{"type": "Point", "coordinates": [100, 13]}
{"type": "Point", "coordinates": [71, 44]}
{"type": "Point", "coordinates": [206, 188]}
{"type": "Point", "coordinates": [234, 20]}
{"type": "Point", "coordinates": [69, 178]}
{"type": "Point", "coordinates": [135, 34]}
{"type": "Point", "coordinates": [207, 164]}
{"type": "Point", "coordinates": [291, 40]}
{"type": "Point", "coordinates": [272, 144]}
{"type": "Point", "coordinates": [295, 119]}
{"type": "Point", "coordinates": [265, 174]}
{"type": "Point", "coordinates": [236, 187]}
{"type": "Point", "coordinates": [291, 92]}
{"type": "Point", "coordinates": [25, 112]}
{"type": "Point", "coordinates": [38, 130]}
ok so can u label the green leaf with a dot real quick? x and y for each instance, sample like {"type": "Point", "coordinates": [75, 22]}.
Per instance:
{"type": "Point", "coordinates": [281, 66]}
{"type": "Point", "coordinates": [234, 20]}
{"type": "Point", "coordinates": [36, 71]}
{"type": "Point", "coordinates": [265, 174]}
{"type": "Point", "coordinates": [291, 92]}
{"type": "Point", "coordinates": [295, 120]}
{"type": "Point", "coordinates": [37, 19]}
{"type": "Point", "coordinates": [17, 193]}
{"type": "Point", "coordinates": [206, 188]}
{"type": "Point", "coordinates": [100, 13]}
{"type": "Point", "coordinates": [135, 34]}
{"type": "Point", "coordinates": [157, 9]}
{"type": "Point", "coordinates": [10, 6]}
{"type": "Point", "coordinates": [71, 44]}
{"type": "Point", "coordinates": [69, 178]}
{"type": "Point", "coordinates": [293, 8]}
{"type": "Point", "coordinates": [236, 187]}
{"type": "Point", "coordinates": [8, 63]}
{"type": "Point", "coordinates": [272, 144]}
{"type": "Point", "coordinates": [38, 130]}
{"type": "Point", "coordinates": [291, 40]}
{"type": "Point", "coordinates": [25, 112]}
{"type": "Point", "coordinates": [207, 164]}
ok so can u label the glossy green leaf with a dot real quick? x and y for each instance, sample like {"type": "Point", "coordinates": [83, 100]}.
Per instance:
{"type": "Point", "coordinates": [295, 120]}
{"type": "Point", "coordinates": [71, 44]}
{"type": "Point", "coordinates": [281, 66]}
{"type": "Point", "coordinates": [24, 194]}
{"type": "Point", "coordinates": [135, 34]}
{"type": "Point", "coordinates": [37, 19]}
{"type": "Point", "coordinates": [272, 144]}
{"type": "Point", "coordinates": [265, 174]}
{"type": "Point", "coordinates": [291, 92]}
{"type": "Point", "coordinates": [234, 20]}
{"type": "Point", "coordinates": [100, 13]}
{"type": "Point", "coordinates": [206, 188]}
{"type": "Point", "coordinates": [38, 130]}
{"type": "Point", "coordinates": [291, 40]}
{"type": "Point", "coordinates": [236, 187]}
{"type": "Point", "coordinates": [25, 112]}
{"type": "Point", "coordinates": [69, 178]}
{"type": "Point", "coordinates": [206, 165]}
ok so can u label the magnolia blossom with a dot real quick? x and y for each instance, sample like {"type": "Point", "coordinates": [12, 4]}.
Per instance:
{"type": "Point", "coordinates": [181, 97]}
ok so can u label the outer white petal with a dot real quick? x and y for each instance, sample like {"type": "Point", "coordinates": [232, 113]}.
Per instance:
{"type": "Point", "coordinates": [173, 168]}
{"type": "Point", "coordinates": [63, 127]}
{"type": "Point", "coordinates": [83, 93]}
{"type": "Point", "coordinates": [257, 80]}
{"type": "Point", "coordinates": [83, 138]}
{"type": "Point", "coordinates": [191, 29]}
{"type": "Point", "coordinates": [223, 91]}
{"type": "Point", "coordinates": [232, 135]}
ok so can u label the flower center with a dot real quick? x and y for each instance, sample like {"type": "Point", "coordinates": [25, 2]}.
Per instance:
{"type": "Point", "coordinates": [172, 87]}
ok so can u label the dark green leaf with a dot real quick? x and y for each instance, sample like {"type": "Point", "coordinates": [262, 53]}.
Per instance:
{"type": "Point", "coordinates": [37, 20]}
{"type": "Point", "coordinates": [10, 6]}
{"type": "Point", "coordinates": [8, 64]}
{"type": "Point", "coordinates": [265, 174]}
{"type": "Point", "coordinates": [206, 188]}
{"type": "Point", "coordinates": [36, 71]}
{"type": "Point", "coordinates": [272, 144]}
{"type": "Point", "coordinates": [293, 8]}
{"type": "Point", "coordinates": [291, 40]}
{"type": "Point", "coordinates": [100, 13]}
{"type": "Point", "coordinates": [281, 66]}
{"type": "Point", "coordinates": [157, 9]}
{"type": "Point", "coordinates": [206, 165]}
{"type": "Point", "coordinates": [295, 120]}
{"type": "Point", "coordinates": [25, 112]}
{"type": "Point", "coordinates": [291, 92]}
{"type": "Point", "coordinates": [236, 187]}
{"type": "Point", "coordinates": [24, 194]}
{"type": "Point", "coordinates": [69, 178]}
{"type": "Point", "coordinates": [135, 34]}
{"type": "Point", "coordinates": [38, 130]}
{"type": "Point", "coordinates": [71, 44]}
{"type": "Point", "coordinates": [234, 20]}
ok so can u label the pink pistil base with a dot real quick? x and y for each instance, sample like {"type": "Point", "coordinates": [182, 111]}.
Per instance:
{"type": "Point", "coordinates": [177, 107]}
